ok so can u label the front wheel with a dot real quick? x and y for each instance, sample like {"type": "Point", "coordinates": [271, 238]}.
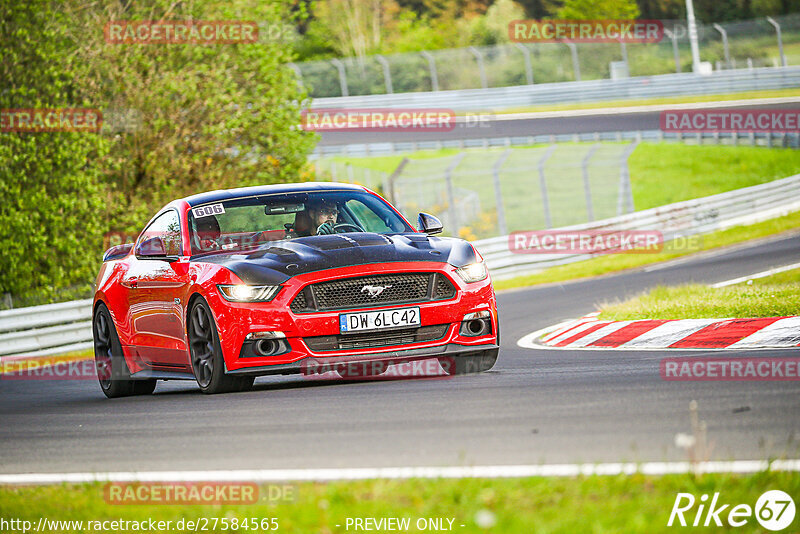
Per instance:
{"type": "Point", "coordinates": [472, 363]}
{"type": "Point", "coordinates": [206, 353]}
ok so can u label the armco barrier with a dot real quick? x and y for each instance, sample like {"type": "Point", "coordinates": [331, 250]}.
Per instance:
{"type": "Point", "coordinates": [691, 217]}
{"type": "Point", "coordinates": [64, 327]}
{"type": "Point", "coordinates": [663, 85]}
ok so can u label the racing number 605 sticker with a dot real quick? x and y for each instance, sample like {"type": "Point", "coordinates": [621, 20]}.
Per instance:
{"type": "Point", "coordinates": [205, 211]}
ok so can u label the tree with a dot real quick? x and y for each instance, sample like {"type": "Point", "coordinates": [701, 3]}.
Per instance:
{"type": "Point", "coordinates": [598, 9]}
{"type": "Point", "coordinates": [51, 211]}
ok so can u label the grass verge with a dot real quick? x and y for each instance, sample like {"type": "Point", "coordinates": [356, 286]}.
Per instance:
{"type": "Point", "coordinates": [634, 503]}
{"type": "Point", "coordinates": [774, 296]}
{"type": "Point", "coordinates": [620, 262]}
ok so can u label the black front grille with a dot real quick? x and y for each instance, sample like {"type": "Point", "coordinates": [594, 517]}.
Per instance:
{"type": "Point", "coordinates": [367, 291]}
{"type": "Point", "coordinates": [376, 339]}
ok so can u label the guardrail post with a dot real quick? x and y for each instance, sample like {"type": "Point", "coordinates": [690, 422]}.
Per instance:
{"type": "Point", "coordinates": [451, 197]}
{"type": "Point", "coordinates": [625, 195]}
{"type": "Point", "coordinates": [528, 67]}
{"type": "Point", "coordinates": [624, 51]}
{"type": "Point", "coordinates": [675, 51]}
{"type": "Point", "coordinates": [8, 302]}
{"type": "Point", "coordinates": [432, 67]}
{"type": "Point", "coordinates": [387, 75]}
{"type": "Point", "coordinates": [548, 221]}
{"type": "Point", "coordinates": [479, 60]}
{"type": "Point", "coordinates": [576, 66]}
{"type": "Point", "coordinates": [587, 189]}
{"type": "Point", "coordinates": [724, 34]}
{"type": "Point", "coordinates": [342, 75]}
{"type": "Point", "coordinates": [780, 40]}
{"type": "Point", "coordinates": [498, 196]}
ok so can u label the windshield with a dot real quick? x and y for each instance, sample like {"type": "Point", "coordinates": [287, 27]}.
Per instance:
{"type": "Point", "coordinates": [245, 223]}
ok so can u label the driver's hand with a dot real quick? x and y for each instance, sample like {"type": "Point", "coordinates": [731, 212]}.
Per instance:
{"type": "Point", "coordinates": [325, 229]}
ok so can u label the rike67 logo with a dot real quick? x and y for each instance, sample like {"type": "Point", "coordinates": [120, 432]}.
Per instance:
{"type": "Point", "coordinates": [774, 510]}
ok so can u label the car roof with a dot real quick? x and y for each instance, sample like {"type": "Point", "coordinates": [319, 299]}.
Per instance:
{"type": "Point", "coordinates": [304, 187]}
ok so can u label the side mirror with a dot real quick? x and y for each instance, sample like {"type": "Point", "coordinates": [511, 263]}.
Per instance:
{"type": "Point", "coordinates": [152, 247]}
{"type": "Point", "coordinates": [429, 224]}
{"type": "Point", "coordinates": [117, 252]}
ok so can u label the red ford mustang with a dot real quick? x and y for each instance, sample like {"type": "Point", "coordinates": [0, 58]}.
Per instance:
{"type": "Point", "coordinates": [225, 286]}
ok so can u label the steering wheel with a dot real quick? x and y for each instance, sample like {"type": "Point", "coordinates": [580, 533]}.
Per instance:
{"type": "Point", "coordinates": [336, 227]}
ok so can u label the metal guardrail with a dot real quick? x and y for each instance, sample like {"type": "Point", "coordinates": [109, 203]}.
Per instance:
{"type": "Point", "coordinates": [44, 330]}
{"type": "Point", "coordinates": [748, 205]}
{"type": "Point", "coordinates": [64, 327]}
{"type": "Point", "coordinates": [767, 139]}
{"type": "Point", "coordinates": [720, 82]}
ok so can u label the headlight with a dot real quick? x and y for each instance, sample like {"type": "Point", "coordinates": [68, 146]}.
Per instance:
{"type": "Point", "coordinates": [474, 272]}
{"type": "Point", "coordinates": [243, 293]}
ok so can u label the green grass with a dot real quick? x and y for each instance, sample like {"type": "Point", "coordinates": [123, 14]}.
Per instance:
{"type": "Point", "coordinates": [774, 296]}
{"type": "Point", "coordinates": [620, 262]}
{"type": "Point", "coordinates": [548, 505]}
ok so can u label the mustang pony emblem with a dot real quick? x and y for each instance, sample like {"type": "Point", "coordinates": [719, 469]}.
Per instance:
{"type": "Point", "coordinates": [374, 291]}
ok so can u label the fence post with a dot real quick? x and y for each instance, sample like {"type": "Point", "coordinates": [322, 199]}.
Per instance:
{"type": "Point", "coordinates": [479, 60]}
{"type": "Point", "coordinates": [342, 75]}
{"type": "Point", "coordinates": [387, 75]}
{"type": "Point", "coordinates": [780, 40]}
{"type": "Point", "coordinates": [498, 196]}
{"type": "Point", "coordinates": [297, 71]}
{"type": "Point", "coordinates": [587, 189]}
{"type": "Point", "coordinates": [390, 190]}
{"type": "Point", "coordinates": [528, 68]}
{"type": "Point", "coordinates": [451, 197]}
{"type": "Point", "coordinates": [724, 34]}
{"type": "Point", "coordinates": [432, 67]}
{"type": "Point", "coordinates": [675, 52]}
{"type": "Point", "coordinates": [576, 67]}
{"type": "Point", "coordinates": [548, 221]}
{"type": "Point", "coordinates": [624, 52]}
{"type": "Point", "coordinates": [625, 196]}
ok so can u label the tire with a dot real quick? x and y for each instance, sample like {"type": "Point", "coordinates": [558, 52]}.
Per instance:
{"type": "Point", "coordinates": [206, 354]}
{"type": "Point", "coordinates": [469, 364]}
{"type": "Point", "coordinates": [112, 370]}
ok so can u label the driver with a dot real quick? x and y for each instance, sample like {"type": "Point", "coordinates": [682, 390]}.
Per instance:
{"type": "Point", "coordinates": [207, 232]}
{"type": "Point", "coordinates": [323, 217]}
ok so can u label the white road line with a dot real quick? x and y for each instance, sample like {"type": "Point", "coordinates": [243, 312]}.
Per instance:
{"type": "Point", "coordinates": [480, 471]}
{"type": "Point", "coordinates": [762, 274]}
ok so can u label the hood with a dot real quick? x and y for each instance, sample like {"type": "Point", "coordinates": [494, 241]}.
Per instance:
{"type": "Point", "coordinates": [276, 262]}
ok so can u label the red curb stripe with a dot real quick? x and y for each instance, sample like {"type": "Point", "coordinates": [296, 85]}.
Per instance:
{"type": "Point", "coordinates": [581, 334]}
{"type": "Point", "coordinates": [627, 333]}
{"type": "Point", "coordinates": [723, 333]}
{"type": "Point", "coordinates": [561, 331]}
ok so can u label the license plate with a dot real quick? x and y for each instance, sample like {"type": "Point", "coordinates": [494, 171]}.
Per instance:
{"type": "Point", "coordinates": [378, 320]}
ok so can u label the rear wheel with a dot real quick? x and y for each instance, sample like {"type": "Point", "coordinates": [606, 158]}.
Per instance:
{"type": "Point", "coordinates": [112, 370]}
{"type": "Point", "coordinates": [207, 363]}
{"type": "Point", "coordinates": [471, 363]}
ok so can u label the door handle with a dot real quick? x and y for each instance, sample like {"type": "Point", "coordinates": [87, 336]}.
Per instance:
{"type": "Point", "coordinates": [131, 282]}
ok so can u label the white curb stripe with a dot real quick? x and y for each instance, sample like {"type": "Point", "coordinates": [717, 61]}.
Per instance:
{"type": "Point", "coordinates": [781, 333]}
{"type": "Point", "coordinates": [668, 333]}
{"type": "Point", "coordinates": [486, 471]}
{"type": "Point", "coordinates": [762, 274]}
{"type": "Point", "coordinates": [599, 333]}
{"type": "Point", "coordinates": [571, 332]}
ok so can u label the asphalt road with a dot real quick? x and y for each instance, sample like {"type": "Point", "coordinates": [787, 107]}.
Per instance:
{"type": "Point", "coordinates": [489, 126]}
{"type": "Point", "coordinates": [535, 406]}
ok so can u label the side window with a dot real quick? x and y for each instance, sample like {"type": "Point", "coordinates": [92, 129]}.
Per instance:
{"type": "Point", "coordinates": [168, 227]}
